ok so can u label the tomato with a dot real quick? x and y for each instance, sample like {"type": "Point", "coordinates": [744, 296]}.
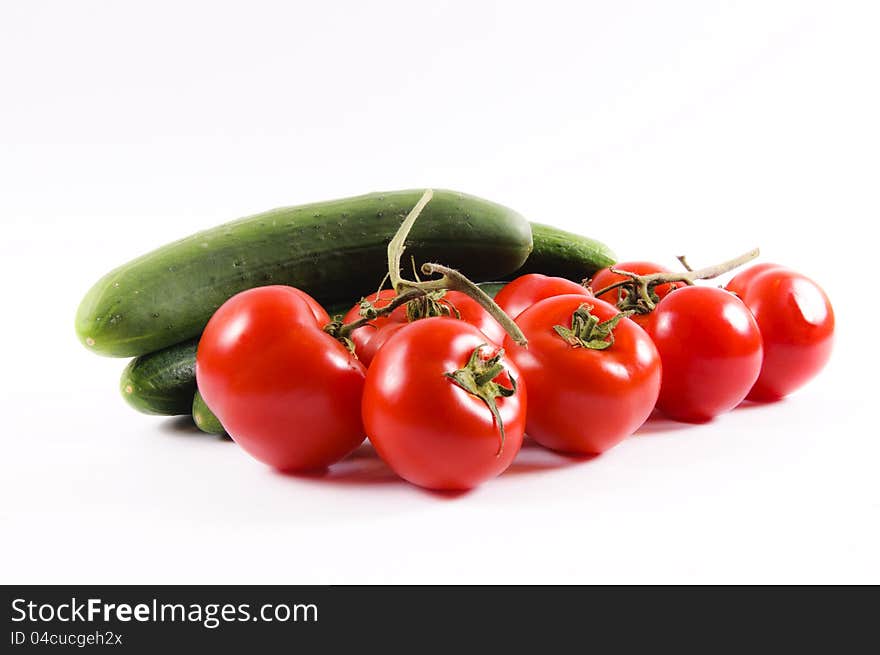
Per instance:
{"type": "Point", "coordinates": [710, 347]}
{"type": "Point", "coordinates": [286, 391]}
{"type": "Point", "coordinates": [425, 425]}
{"type": "Point", "coordinates": [364, 336]}
{"type": "Point", "coordinates": [526, 290]}
{"type": "Point", "coordinates": [370, 338]}
{"type": "Point", "coordinates": [743, 279]}
{"type": "Point", "coordinates": [796, 322]}
{"type": "Point", "coordinates": [317, 310]}
{"type": "Point", "coordinates": [586, 392]}
{"type": "Point", "coordinates": [605, 278]}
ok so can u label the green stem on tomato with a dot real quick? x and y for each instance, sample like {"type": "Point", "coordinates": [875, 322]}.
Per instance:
{"type": "Point", "coordinates": [453, 280]}
{"type": "Point", "coordinates": [398, 243]}
{"type": "Point", "coordinates": [343, 330]}
{"type": "Point", "coordinates": [408, 290]}
{"type": "Point", "coordinates": [644, 285]}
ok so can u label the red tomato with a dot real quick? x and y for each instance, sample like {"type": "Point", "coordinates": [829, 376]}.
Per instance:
{"type": "Point", "coordinates": [429, 429]}
{"type": "Point", "coordinates": [370, 338]}
{"type": "Point", "coordinates": [318, 312]}
{"type": "Point", "coordinates": [526, 290]}
{"type": "Point", "coordinates": [605, 278]}
{"type": "Point", "coordinates": [796, 322]}
{"type": "Point", "coordinates": [285, 390]}
{"type": "Point", "coordinates": [363, 337]}
{"type": "Point", "coordinates": [711, 351]}
{"type": "Point", "coordinates": [581, 399]}
{"type": "Point", "coordinates": [744, 278]}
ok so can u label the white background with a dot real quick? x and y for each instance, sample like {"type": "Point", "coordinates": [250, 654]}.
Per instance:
{"type": "Point", "coordinates": [661, 128]}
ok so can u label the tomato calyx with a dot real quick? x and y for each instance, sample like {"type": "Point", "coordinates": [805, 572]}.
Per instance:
{"type": "Point", "coordinates": [637, 293]}
{"type": "Point", "coordinates": [419, 304]}
{"type": "Point", "coordinates": [449, 279]}
{"type": "Point", "coordinates": [633, 301]}
{"type": "Point", "coordinates": [587, 331]}
{"type": "Point", "coordinates": [341, 331]}
{"type": "Point", "coordinates": [333, 328]}
{"type": "Point", "coordinates": [477, 377]}
{"type": "Point", "coordinates": [431, 304]}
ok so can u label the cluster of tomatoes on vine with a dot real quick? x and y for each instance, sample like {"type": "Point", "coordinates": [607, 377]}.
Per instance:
{"type": "Point", "coordinates": [445, 382]}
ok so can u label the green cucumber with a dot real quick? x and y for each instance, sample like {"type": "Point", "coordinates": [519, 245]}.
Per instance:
{"type": "Point", "coordinates": [333, 250]}
{"type": "Point", "coordinates": [564, 254]}
{"type": "Point", "coordinates": [204, 418]}
{"type": "Point", "coordinates": [162, 382]}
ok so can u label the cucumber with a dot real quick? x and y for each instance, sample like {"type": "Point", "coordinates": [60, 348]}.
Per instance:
{"type": "Point", "coordinates": [163, 382]}
{"type": "Point", "coordinates": [333, 250]}
{"type": "Point", "coordinates": [564, 254]}
{"type": "Point", "coordinates": [204, 418]}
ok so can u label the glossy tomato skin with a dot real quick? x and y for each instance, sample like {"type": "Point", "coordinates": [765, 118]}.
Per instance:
{"type": "Point", "coordinates": [797, 325]}
{"type": "Point", "coordinates": [370, 338]}
{"type": "Point", "coordinates": [584, 401]}
{"type": "Point", "coordinates": [286, 392]}
{"type": "Point", "coordinates": [523, 292]}
{"type": "Point", "coordinates": [741, 281]}
{"type": "Point", "coordinates": [605, 278]}
{"type": "Point", "coordinates": [320, 314]}
{"type": "Point", "coordinates": [429, 430]}
{"type": "Point", "coordinates": [472, 312]}
{"type": "Point", "coordinates": [711, 351]}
